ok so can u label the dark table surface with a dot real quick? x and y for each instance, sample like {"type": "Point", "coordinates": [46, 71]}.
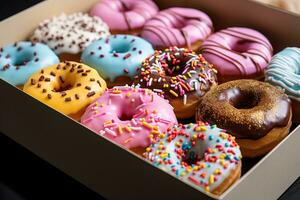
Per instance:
{"type": "Point", "coordinates": [24, 176]}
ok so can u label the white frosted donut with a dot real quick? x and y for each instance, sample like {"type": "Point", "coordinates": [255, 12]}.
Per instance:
{"type": "Point", "coordinates": [70, 33]}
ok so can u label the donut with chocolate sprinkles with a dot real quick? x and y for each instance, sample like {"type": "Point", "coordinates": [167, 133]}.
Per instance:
{"type": "Point", "coordinates": [20, 60]}
{"type": "Point", "coordinates": [70, 34]}
{"type": "Point", "coordinates": [70, 96]}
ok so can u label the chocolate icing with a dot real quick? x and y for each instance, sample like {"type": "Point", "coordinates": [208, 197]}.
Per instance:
{"type": "Point", "coordinates": [246, 108]}
{"type": "Point", "coordinates": [176, 73]}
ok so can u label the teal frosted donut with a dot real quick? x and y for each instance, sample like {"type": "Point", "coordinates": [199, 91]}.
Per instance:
{"type": "Point", "coordinates": [200, 154]}
{"type": "Point", "coordinates": [284, 71]}
{"type": "Point", "coordinates": [117, 56]}
{"type": "Point", "coordinates": [20, 60]}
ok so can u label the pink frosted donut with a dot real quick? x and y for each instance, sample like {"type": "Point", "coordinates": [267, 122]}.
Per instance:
{"type": "Point", "coordinates": [128, 116]}
{"type": "Point", "coordinates": [124, 15]}
{"type": "Point", "coordinates": [237, 53]}
{"type": "Point", "coordinates": [181, 27]}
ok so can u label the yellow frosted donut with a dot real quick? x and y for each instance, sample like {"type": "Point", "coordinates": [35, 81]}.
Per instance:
{"type": "Point", "coordinates": [67, 87]}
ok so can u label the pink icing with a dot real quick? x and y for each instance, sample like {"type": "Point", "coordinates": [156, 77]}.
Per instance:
{"type": "Point", "coordinates": [129, 115]}
{"type": "Point", "coordinates": [124, 14]}
{"type": "Point", "coordinates": [177, 27]}
{"type": "Point", "coordinates": [237, 53]}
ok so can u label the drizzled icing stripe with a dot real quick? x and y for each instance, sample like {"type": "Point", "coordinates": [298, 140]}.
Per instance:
{"type": "Point", "coordinates": [236, 52]}
{"type": "Point", "coordinates": [284, 71]}
{"type": "Point", "coordinates": [177, 23]}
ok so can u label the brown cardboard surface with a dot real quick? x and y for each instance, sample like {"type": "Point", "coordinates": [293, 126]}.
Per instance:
{"type": "Point", "coordinates": [91, 159]}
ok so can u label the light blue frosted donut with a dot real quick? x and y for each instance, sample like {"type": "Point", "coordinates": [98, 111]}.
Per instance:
{"type": "Point", "coordinates": [20, 60]}
{"type": "Point", "coordinates": [284, 71]}
{"type": "Point", "coordinates": [117, 55]}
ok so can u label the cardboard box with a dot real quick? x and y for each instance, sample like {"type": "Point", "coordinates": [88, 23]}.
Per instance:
{"type": "Point", "coordinates": [114, 172]}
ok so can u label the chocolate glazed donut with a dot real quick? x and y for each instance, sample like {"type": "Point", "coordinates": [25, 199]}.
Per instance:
{"type": "Point", "coordinates": [256, 113]}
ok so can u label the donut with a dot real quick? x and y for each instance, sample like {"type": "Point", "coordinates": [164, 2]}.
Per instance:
{"type": "Point", "coordinates": [284, 72]}
{"type": "Point", "coordinates": [117, 57]}
{"type": "Point", "coordinates": [67, 87]}
{"type": "Point", "coordinates": [237, 53]}
{"type": "Point", "coordinates": [256, 113]}
{"type": "Point", "coordinates": [179, 75]}
{"type": "Point", "coordinates": [125, 16]}
{"type": "Point", "coordinates": [128, 116]}
{"type": "Point", "coordinates": [182, 27]}
{"type": "Point", "coordinates": [199, 154]}
{"type": "Point", "coordinates": [20, 60]}
{"type": "Point", "coordinates": [69, 35]}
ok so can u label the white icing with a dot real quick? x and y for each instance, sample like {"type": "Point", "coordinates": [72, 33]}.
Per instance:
{"type": "Point", "coordinates": [70, 33]}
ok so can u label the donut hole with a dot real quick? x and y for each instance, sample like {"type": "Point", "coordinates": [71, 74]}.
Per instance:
{"type": "Point", "coordinates": [245, 100]}
{"type": "Point", "coordinates": [126, 117]}
{"type": "Point", "coordinates": [241, 46]}
{"type": "Point", "coordinates": [178, 25]}
{"type": "Point", "coordinates": [118, 48]}
{"type": "Point", "coordinates": [22, 59]}
{"type": "Point", "coordinates": [68, 83]}
{"type": "Point", "coordinates": [192, 154]}
{"type": "Point", "coordinates": [63, 88]}
{"type": "Point", "coordinates": [124, 7]}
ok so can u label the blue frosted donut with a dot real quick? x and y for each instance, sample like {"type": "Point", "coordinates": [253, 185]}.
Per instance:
{"type": "Point", "coordinates": [117, 55]}
{"type": "Point", "coordinates": [20, 60]}
{"type": "Point", "coordinates": [284, 71]}
{"type": "Point", "coordinates": [200, 154]}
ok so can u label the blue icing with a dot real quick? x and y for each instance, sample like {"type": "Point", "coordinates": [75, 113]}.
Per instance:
{"type": "Point", "coordinates": [117, 55]}
{"type": "Point", "coordinates": [284, 71]}
{"type": "Point", "coordinates": [19, 61]}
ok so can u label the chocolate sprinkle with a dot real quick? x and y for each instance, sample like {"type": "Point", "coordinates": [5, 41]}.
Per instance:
{"type": "Point", "coordinates": [41, 78]}
{"type": "Point", "coordinates": [47, 79]}
{"type": "Point", "coordinates": [44, 90]}
{"type": "Point", "coordinates": [99, 83]}
{"type": "Point", "coordinates": [77, 96]}
{"type": "Point", "coordinates": [39, 85]}
{"type": "Point", "coordinates": [78, 84]}
{"type": "Point", "coordinates": [92, 79]}
{"type": "Point", "coordinates": [49, 96]}
{"type": "Point", "coordinates": [52, 74]}
{"type": "Point", "coordinates": [88, 87]}
{"type": "Point", "coordinates": [84, 74]}
{"type": "Point", "coordinates": [90, 94]}
{"type": "Point", "coordinates": [80, 71]}
{"type": "Point", "coordinates": [32, 81]}
{"type": "Point", "coordinates": [68, 99]}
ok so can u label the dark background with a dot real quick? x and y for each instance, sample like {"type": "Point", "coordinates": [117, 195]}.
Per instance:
{"type": "Point", "coordinates": [24, 176]}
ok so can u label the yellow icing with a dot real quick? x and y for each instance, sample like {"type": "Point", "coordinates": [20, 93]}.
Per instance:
{"type": "Point", "coordinates": [64, 78]}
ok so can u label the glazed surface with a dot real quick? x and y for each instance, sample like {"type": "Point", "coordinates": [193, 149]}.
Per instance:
{"type": "Point", "coordinates": [237, 53]}
{"type": "Point", "coordinates": [125, 15]}
{"type": "Point", "coordinates": [70, 33]}
{"type": "Point", "coordinates": [129, 116]}
{"type": "Point", "coordinates": [200, 154]}
{"type": "Point", "coordinates": [177, 73]}
{"type": "Point", "coordinates": [20, 60]}
{"type": "Point", "coordinates": [246, 108]}
{"type": "Point", "coordinates": [177, 27]}
{"type": "Point", "coordinates": [284, 71]}
{"type": "Point", "coordinates": [67, 87]}
{"type": "Point", "coordinates": [117, 55]}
